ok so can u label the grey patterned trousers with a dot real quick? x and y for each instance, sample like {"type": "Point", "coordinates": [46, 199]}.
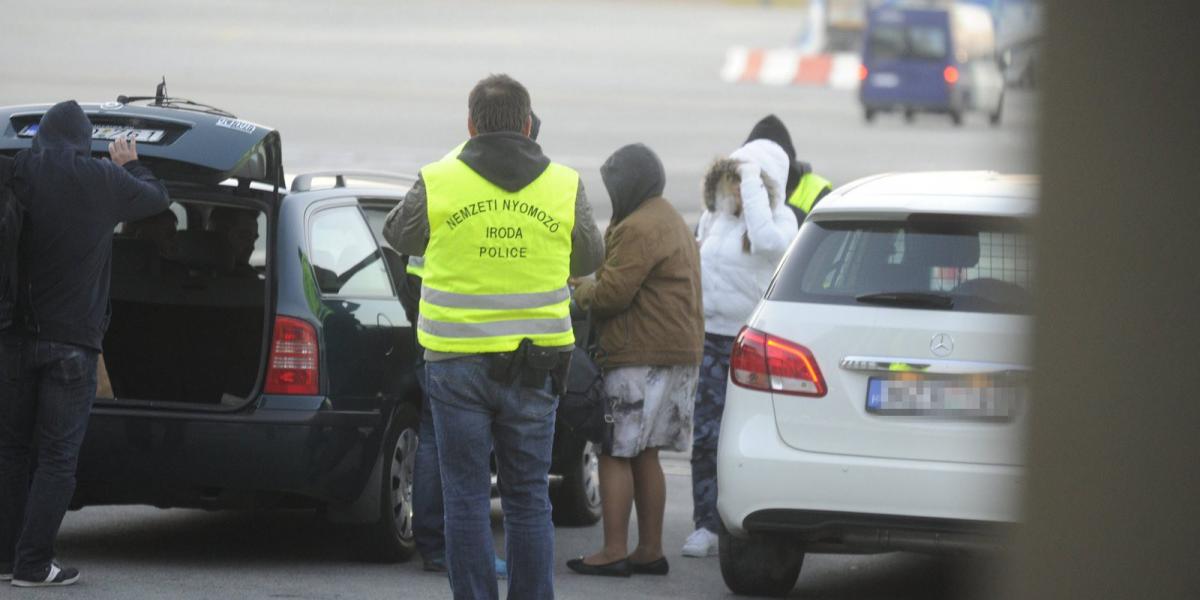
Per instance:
{"type": "Point", "coordinates": [710, 404]}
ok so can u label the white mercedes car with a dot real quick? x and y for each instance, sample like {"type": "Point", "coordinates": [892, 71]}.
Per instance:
{"type": "Point", "coordinates": [878, 394]}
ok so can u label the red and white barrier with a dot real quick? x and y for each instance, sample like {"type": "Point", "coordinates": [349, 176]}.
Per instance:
{"type": "Point", "coordinates": [787, 66]}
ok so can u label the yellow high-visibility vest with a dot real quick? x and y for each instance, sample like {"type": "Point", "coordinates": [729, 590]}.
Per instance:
{"type": "Point", "coordinates": [808, 190]}
{"type": "Point", "coordinates": [497, 262]}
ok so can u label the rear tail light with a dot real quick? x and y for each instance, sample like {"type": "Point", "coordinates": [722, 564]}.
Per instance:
{"type": "Point", "coordinates": [292, 367]}
{"type": "Point", "coordinates": [950, 74]}
{"type": "Point", "coordinates": [862, 72]}
{"type": "Point", "coordinates": [770, 364]}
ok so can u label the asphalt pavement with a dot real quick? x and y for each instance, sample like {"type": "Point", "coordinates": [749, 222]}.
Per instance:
{"type": "Point", "coordinates": [381, 84]}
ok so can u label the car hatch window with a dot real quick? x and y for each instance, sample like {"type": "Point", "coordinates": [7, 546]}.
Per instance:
{"type": "Point", "coordinates": [973, 264]}
{"type": "Point", "coordinates": [345, 259]}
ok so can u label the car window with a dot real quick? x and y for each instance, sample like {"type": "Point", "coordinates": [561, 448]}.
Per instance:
{"type": "Point", "coordinates": [345, 259]}
{"type": "Point", "coordinates": [376, 217]}
{"type": "Point", "coordinates": [922, 42]}
{"type": "Point", "coordinates": [981, 264]}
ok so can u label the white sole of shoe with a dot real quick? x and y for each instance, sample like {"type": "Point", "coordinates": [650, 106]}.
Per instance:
{"type": "Point", "coordinates": [36, 584]}
{"type": "Point", "coordinates": [700, 554]}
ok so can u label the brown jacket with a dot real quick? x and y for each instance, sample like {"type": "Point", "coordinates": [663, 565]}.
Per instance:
{"type": "Point", "coordinates": [646, 296]}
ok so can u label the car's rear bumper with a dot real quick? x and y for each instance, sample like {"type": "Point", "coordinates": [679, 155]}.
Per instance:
{"type": "Point", "coordinates": [761, 478]}
{"type": "Point", "coordinates": [217, 460]}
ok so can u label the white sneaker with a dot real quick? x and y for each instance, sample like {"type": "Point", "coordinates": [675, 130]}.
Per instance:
{"type": "Point", "coordinates": [701, 543]}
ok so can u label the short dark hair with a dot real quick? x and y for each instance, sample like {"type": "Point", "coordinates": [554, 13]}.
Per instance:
{"type": "Point", "coordinates": [499, 103]}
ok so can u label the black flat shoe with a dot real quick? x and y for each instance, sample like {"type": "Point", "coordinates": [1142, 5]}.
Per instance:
{"type": "Point", "coordinates": [617, 568]}
{"type": "Point", "coordinates": [654, 567]}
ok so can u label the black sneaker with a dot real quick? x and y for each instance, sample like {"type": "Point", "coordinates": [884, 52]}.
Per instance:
{"type": "Point", "coordinates": [57, 576]}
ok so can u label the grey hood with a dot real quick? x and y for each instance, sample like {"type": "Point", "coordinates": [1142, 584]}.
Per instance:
{"type": "Point", "coordinates": [64, 127]}
{"type": "Point", "coordinates": [632, 175]}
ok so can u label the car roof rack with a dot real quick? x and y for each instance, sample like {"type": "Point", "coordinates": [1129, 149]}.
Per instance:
{"type": "Point", "coordinates": [303, 183]}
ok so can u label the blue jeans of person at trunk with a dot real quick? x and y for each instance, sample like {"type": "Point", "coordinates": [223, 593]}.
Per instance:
{"type": "Point", "coordinates": [46, 395]}
{"type": "Point", "coordinates": [706, 430]}
{"type": "Point", "coordinates": [472, 415]}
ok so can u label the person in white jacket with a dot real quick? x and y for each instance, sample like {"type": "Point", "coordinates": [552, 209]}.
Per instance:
{"type": "Point", "coordinates": [743, 233]}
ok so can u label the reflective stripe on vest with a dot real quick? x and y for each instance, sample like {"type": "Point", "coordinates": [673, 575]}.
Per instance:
{"type": "Point", "coordinates": [497, 262]}
{"type": "Point", "coordinates": [416, 266]}
{"type": "Point", "coordinates": [807, 191]}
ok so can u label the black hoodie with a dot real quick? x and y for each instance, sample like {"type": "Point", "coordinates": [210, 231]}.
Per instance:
{"type": "Point", "coordinates": [632, 175]}
{"type": "Point", "coordinates": [772, 128]}
{"type": "Point", "coordinates": [73, 203]}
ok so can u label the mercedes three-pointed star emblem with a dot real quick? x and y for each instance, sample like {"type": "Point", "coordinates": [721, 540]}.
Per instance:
{"type": "Point", "coordinates": [941, 345]}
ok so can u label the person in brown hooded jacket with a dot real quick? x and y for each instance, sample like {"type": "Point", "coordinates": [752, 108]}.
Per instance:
{"type": "Point", "coordinates": [646, 299]}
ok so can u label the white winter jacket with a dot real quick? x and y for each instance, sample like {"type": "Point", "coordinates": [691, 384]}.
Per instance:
{"type": "Point", "coordinates": [743, 232]}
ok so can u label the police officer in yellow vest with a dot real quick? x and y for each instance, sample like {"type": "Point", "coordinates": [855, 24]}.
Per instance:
{"type": "Point", "coordinates": [804, 188]}
{"type": "Point", "coordinates": [500, 228]}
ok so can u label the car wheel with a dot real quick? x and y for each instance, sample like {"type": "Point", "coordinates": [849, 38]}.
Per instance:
{"type": "Point", "coordinates": [390, 539]}
{"type": "Point", "coordinates": [577, 500]}
{"type": "Point", "coordinates": [869, 115]}
{"type": "Point", "coordinates": [910, 115]}
{"type": "Point", "coordinates": [956, 117]}
{"type": "Point", "coordinates": [761, 565]}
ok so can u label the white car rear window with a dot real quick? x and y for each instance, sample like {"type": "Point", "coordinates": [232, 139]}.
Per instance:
{"type": "Point", "coordinates": [926, 261]}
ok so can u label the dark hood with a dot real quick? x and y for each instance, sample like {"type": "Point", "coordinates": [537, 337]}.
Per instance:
{"type": "Point", "coordinates": [509, 160]}
{"type": "Point", "coordinates": [64, 127]}
{"type": "Point", "coordinates": [632, 175]}
{"type": "Point", "coordinates": [772, 128]}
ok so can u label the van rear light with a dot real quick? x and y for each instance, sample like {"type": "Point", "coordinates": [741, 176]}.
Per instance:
{"type": "Point", "coordinates": [770, 364]}
{"type": "Point", "coordinates": [292, 367]}
{"type": "Point", "coordinates": [862, 72]}
{"type": "Point", "coordinates": [950, 74]}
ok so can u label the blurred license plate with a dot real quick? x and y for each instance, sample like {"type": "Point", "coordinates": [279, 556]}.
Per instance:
{"type": "Point", "coordinates": [885, 80]}
{"type": "Point", "coordinates": [108, 132]}
{"type": "Point", "coordinates": [973, 397]}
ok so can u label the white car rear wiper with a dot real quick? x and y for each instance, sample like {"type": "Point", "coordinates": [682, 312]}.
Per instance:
{"type": "Point", "coordinates": [915, 299]}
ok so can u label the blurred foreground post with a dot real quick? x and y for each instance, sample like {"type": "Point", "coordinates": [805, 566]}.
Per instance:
{"type": "Point", "coordinates": [1113, 501]}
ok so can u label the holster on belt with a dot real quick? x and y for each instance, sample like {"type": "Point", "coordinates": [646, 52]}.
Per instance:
{"type": "Point", "coordinates": [531, 365]}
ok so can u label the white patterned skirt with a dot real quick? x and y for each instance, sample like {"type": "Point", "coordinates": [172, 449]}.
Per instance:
{"type": "Point", "coordinates": [652, 407]}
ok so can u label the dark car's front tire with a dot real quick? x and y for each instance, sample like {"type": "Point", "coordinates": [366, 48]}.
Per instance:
{"type": "Point", "coordinates": [577, 500]}
{"type": "Point", "coordinates": [760, 565]}
{"type": "Point", "coordinates": [390, 538]}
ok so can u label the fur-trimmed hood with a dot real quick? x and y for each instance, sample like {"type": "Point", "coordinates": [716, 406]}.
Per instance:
{"type": "Point", "coordinates": [722, 183]}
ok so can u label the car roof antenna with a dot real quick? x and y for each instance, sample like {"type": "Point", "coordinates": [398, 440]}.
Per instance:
{"type": "Point", "coordinates": [160, 93]}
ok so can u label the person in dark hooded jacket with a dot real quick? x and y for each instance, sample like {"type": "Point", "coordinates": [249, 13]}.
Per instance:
{"type": "Point", "coordinates": [804, 187]}
{"type": "Point", "coordinates": [72, 203]}
{"type": "Point", "coordinates": [647, 301]}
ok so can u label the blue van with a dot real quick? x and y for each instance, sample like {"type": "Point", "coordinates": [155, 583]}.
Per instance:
{"type": "Point", "coordinates": [939, 60]}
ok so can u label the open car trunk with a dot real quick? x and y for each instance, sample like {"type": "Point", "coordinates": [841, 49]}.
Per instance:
{"type": "Point", "coordinates": [189, 316]}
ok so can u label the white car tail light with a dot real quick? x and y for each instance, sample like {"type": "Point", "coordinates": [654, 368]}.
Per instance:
{"type": "Point", "coordinates": [770, 364]}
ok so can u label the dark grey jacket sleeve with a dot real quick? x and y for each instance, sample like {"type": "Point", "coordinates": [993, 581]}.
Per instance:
{"type": "Point", "coordinates": [136, 192]}
{"type": "Point", "coordinates": [407, 226]}
{"type": "Point", "coordinates": [587, 245]}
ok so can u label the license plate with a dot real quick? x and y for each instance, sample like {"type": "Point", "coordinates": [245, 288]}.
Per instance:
{"type": "Point", "coordinates": [885, 80]}
{"type": "Point", "coordinates": [971, 397]}
{"type": "Point", "coordinates": [110, 132]}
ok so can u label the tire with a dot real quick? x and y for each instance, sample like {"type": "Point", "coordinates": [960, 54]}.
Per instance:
{"type": "Point", "coordinates": [869, 115]}
{"type": "Point", "coordinates": [956, 117]}
{"type": "Point", "coordinates": [576, 501]}
{"type": "Point", "coordinates": [910, 116]}
{"type": "Point", "coordinates": [390, 539]}
{"type": "Point", "coordinates": [761, 565]}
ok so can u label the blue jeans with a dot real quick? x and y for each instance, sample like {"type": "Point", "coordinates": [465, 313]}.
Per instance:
{"type": "Point", "coordinates": [428, 512]}
{"type": "Point", "coordinates": [472, 414]}
{"type": "Point", "coordinates": [46, 395]}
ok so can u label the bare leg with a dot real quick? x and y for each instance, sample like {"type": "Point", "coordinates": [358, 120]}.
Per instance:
{"type": "Point", "coordinates": [650, 494]}
{"type": "Point", "coordinates": [616, 501]}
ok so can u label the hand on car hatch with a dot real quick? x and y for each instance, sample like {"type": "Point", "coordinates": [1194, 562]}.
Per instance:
{"type": "Point", "coordinates": [123, 150]}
